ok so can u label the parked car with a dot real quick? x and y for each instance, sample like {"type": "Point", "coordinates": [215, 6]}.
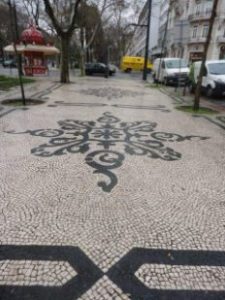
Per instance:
{"type": "Point", "coordinates": [170, 70]}
{"type": "Point", "coordinates": [213, 81]}
{"type": "Point", "coordinates": [9, 63]}
{"type": "Point", "coordinates": [97, 68]}
{"type": "Point", "coordinates": [112, 69]}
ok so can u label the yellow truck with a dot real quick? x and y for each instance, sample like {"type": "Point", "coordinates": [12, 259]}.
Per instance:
{"type": "Point", "coordinates": [134, 63]}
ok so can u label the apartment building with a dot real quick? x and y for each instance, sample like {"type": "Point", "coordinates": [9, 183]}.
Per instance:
{"type": "Point", "coordinates": [188, 27]}
{"type": "Point", "coordinates": [199, 15]}
{"type": "Point", "coordinates": [179, 28]}
{"type": "Point", "coordinates": [162, 36]}
{"type": "Point", "coordinates": [138, 44]}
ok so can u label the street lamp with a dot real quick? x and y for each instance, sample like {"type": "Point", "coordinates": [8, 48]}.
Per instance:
{"type": "Point", "coordinates": [145, 70]}
{"type": "Point", "coordinates": [107, 60]}
{"type": "Point", "coordinates": [109, 54]}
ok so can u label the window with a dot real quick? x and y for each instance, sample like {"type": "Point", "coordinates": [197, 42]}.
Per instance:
{"type": "Point", "coordinates": [198, 9]}
{"type": "Point", "coordinates": [176, 63]}
{"type": "Point", "coordinates": [205, 30]}
{"type": "Point", "coordinates": [217, 68]}
{"type": "Point", "coordinates": [222, 52]}
{"type": "Point", "coordinates": [195, 30]}
{"type": "Point", "coordinates": [208, 7]}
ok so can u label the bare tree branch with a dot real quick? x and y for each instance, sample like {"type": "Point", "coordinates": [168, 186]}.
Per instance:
{"type": "Point", "coordinates": [51, 15]}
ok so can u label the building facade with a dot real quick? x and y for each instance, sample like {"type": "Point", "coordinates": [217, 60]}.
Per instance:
{"type": "Point", "coordinates": [199, 15]}
{"type": "Point", "coordinates": [163, 25]}
{"type": "Point", "coordinates": [179, 28]}
{"type": "Point", "coordinates": [188, 27]}
{"type": "Point", "coordinates": [138, 44]}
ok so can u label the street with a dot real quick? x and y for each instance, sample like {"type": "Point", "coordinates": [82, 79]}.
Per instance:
{"type": "Point", "coordinates": [108, 192]}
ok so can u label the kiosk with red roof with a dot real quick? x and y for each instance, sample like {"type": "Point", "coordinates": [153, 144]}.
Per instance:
{"type": "Point", "coordinates": [34, 49]}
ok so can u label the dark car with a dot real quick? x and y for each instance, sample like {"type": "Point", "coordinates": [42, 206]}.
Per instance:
{"type": "Point", "coordinates": [112, 69]}
{"type": "Point", "coordinates": [9, 63]}
{"type": "Point", "coordinates": [97, 68]}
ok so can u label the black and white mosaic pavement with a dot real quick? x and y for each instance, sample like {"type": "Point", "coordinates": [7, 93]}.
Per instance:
{"type": "Point", "coordinates": [137, 138]}
{"type": "Point", "coordinates": [110, 93]}
{"type": "Point", "coordinates": [44, 272]}
{"type": "Point", "coordinates": [161, 108]}
{"type": "Point", "coordinates": [148, 224]}
{"type": "Point", "coordinates": [7, 110]}
{"type": "Point", "coordinates": [219, 121]}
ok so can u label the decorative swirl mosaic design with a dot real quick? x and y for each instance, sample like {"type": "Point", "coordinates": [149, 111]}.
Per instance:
{"type": "Point", "coordinates": [137, 138]}
{"type": "Point", "coordinates": [110, 93]}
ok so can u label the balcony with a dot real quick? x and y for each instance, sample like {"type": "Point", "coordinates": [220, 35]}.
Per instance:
{"type": "Point", "coordinates": [197, 40]}
{"type": "Point", "coordinates": [200, 16]}
{"type": "Point", "coordinates": [221, 39]}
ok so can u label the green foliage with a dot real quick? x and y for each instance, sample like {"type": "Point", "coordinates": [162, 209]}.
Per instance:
{"type": "Point", "coordinates": [191, 74]}
{"type": "Point", "coordinates": [201, 111]}
{"type": "Point", "coordinates": [153, 85]}
{"type": "Point", "coordinates": [7, 82]}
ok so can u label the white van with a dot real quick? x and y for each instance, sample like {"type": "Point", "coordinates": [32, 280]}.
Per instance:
{"type": "Point", "coordinates": [213, 82]}
{"type": "Point", "coordinates": [170, 70]}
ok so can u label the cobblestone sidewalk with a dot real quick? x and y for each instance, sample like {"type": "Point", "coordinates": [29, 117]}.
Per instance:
{"type": "Point", "coordinates": [107, 192]}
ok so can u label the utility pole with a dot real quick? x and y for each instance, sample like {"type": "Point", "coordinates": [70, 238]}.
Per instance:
{"type": "Point", "coordinates": [82, 51]}
{"type": "Point", "coordinates": [145, 71]}
{"type": "Point", "coordinates": [107, 62]}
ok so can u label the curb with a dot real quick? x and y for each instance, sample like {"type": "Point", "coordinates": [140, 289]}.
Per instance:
{"type": "Point", "coordinates": [180, 100]}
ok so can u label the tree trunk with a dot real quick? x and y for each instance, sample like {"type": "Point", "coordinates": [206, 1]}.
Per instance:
{"type": "Point", "coordinates": [15, 35]}
{"type": "Point", "coordinates": [65, 76]}
{"type": "Point", "coordinates": [207, 43]}
{"type": "Point", "coordinates": [82, 62]}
